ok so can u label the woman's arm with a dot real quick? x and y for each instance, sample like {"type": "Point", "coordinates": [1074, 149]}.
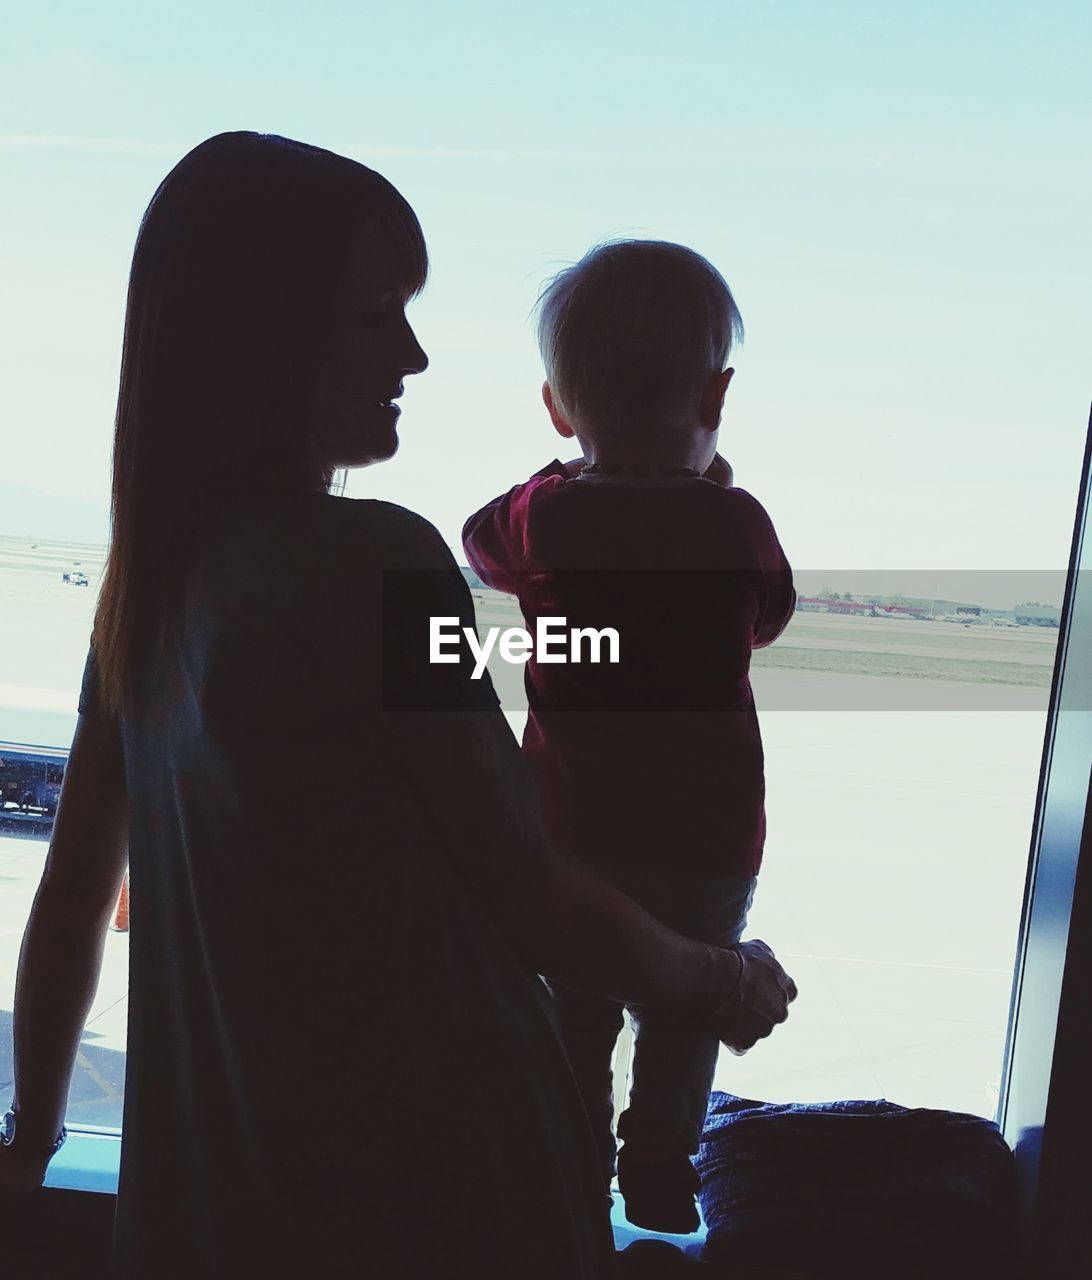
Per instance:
{"type": "Point", "coordinates": [561, 921]}
{"type": "Point", "coordinates": [61, 955]}
{"type": "Point", "coordinates": [595, 937]}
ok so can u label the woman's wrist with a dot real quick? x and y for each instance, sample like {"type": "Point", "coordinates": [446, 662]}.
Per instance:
{"type": "Point", "coordinates": [28, 1144]}
{"type": "Point", "coordinates": [721, 987]}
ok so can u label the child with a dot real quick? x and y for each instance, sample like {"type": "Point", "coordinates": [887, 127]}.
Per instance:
{"type": "Point", "coordinates": [649, 770]}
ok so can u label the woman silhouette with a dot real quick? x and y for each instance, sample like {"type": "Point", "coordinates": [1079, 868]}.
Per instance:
{"type": "Point", "coordinates": [339, 1054]}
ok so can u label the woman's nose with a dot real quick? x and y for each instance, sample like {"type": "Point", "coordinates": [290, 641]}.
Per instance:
{"type": "Point", "coordinates": [415, 358]}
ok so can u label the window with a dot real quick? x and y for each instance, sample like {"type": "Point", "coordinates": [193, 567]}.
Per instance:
{"type": "Point", "coordinates": [894, 198]}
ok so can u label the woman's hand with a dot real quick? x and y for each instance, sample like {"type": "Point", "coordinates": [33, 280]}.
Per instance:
{"type": "Point", "coordinates": [759, 1002]}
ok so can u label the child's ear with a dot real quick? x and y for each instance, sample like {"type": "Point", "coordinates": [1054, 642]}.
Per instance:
{"type": "Point", "coordinates": [561, 424]}
{"type": "Point", "coordinates": [712, 399]}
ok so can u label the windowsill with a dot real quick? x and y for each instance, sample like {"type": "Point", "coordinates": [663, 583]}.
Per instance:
{"type": "Point", "coordinates": [625, 1233]}
{"type": "Point", "coordinates": [88, 1161]}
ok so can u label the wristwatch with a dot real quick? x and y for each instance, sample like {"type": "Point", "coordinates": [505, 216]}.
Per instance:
{"type": "Point", "coordinates": [7, 1135]}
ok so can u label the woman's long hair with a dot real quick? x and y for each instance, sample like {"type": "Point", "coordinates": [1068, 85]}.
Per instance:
{"type": "Point", "coordinates": [238, 274]}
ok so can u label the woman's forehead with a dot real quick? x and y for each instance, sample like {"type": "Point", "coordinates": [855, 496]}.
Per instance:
{"type": "Point", "coordinates": [374, 269]}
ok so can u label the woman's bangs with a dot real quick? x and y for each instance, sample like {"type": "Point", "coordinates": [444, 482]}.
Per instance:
{"type": "Point", "coordinates": [409, 255]}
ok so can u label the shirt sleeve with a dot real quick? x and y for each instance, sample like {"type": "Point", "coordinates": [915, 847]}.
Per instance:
{"type": "Point", "coordinates": [496, 539]}
{"type": "Point", "coordinates": [776, 595]}
{"type": "Point", "coordinates": [470, 782]}
{"type": "Point", "coordinates": [429, 590]}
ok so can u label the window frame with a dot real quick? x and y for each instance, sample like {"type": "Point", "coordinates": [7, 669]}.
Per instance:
{"type": "Point", "coordinates": [1045, 1050]}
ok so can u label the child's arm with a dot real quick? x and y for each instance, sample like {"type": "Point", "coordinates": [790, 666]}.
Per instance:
{"type": "Point", "coordinates": [720, 472]}
{"type": "Point", "coordinates": [495, 538]}
{"type": "Point", "coordinates": [781, 605]}
{"type": "Point", "coordinates": [776, 595]}
{"type": "Point", "coordinates": [779, 595]}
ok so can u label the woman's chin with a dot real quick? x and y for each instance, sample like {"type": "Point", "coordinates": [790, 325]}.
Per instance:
{"type": "Point", "coordinates": [376, 450]}
{"type": "Point", "coordinates": [388, 450]}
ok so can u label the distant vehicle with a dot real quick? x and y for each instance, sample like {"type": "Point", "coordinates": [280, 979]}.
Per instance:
{"type": "Point", "coordinates": [76, 578]}
{"type": "Point", "coordinates": [35, 731]}
{"type": "Point", "coordinates": [30, 783]}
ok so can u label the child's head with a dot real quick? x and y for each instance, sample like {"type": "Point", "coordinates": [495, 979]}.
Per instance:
{"type": "Point", "coordinates": [635, 339]}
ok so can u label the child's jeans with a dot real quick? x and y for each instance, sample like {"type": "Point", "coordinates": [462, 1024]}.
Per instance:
{"type": "Point", "coordinates": [674, 1053]}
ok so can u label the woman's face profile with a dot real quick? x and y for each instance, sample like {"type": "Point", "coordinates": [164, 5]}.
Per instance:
{"type": "Point", "coordinates": [370, 350]}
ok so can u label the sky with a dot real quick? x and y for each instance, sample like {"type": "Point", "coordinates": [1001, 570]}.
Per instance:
{"type": "Point", "coordinates": [898, 194]}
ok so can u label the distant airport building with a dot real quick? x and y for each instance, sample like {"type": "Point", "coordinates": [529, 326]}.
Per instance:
{"type": "Point", "coordinates": [852, 607]}
{"type": "Point", "coordinates": [1037, 615]}
{"type": "Point", "coordinates": [904, 610]}
{"type": "Point", "coordinates": [899, 606]}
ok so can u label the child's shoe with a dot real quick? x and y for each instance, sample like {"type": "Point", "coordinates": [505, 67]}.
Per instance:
{"type": "Point", "coordinates": [659, 1188]}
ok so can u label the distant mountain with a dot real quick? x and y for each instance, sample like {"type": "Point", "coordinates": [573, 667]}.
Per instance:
{"type": "Point", "coordinates": [26, 512]}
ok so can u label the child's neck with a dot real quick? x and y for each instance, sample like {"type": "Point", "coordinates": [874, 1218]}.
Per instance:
{"type": "Point", "coordinates": [601, 468]}
{"type": "Point", "coordinates": [673, 456]}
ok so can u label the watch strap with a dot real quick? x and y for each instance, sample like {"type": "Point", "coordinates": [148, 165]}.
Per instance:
{"type": "Point", "coordinates": [8, 1125]}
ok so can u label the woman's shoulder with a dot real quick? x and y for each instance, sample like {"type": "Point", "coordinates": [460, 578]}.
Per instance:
{"type": "Point", "coordinates": [393, 535]}
{"type": "Point", "coordinates": [344, 534]}
{"type": "Point", "coordinates": [378, 514]}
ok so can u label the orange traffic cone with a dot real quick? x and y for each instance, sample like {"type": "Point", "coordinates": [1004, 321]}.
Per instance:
{"type": "Point", "coordinates": [121, 915]}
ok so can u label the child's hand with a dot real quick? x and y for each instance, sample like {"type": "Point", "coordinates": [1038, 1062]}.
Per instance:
{"type": "Point", "coordinates": [760, 1001]}
{"type": "Point", "coordinates": [719, 471]}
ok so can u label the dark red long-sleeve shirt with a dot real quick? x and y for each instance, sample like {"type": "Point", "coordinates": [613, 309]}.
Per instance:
{"type": "Point", "coordinates": [655, 760]}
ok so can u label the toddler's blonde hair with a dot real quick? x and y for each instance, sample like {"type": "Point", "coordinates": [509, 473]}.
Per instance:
{"type": "Point", "coordinates": [632, 332]}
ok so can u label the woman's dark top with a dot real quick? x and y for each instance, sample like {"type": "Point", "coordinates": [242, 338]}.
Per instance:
{"type": "Point", "coordinates": [337, 1066]}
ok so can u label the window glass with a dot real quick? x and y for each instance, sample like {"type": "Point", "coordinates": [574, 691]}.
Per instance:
{"type": "Point", "coordinates": [897, 198]}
